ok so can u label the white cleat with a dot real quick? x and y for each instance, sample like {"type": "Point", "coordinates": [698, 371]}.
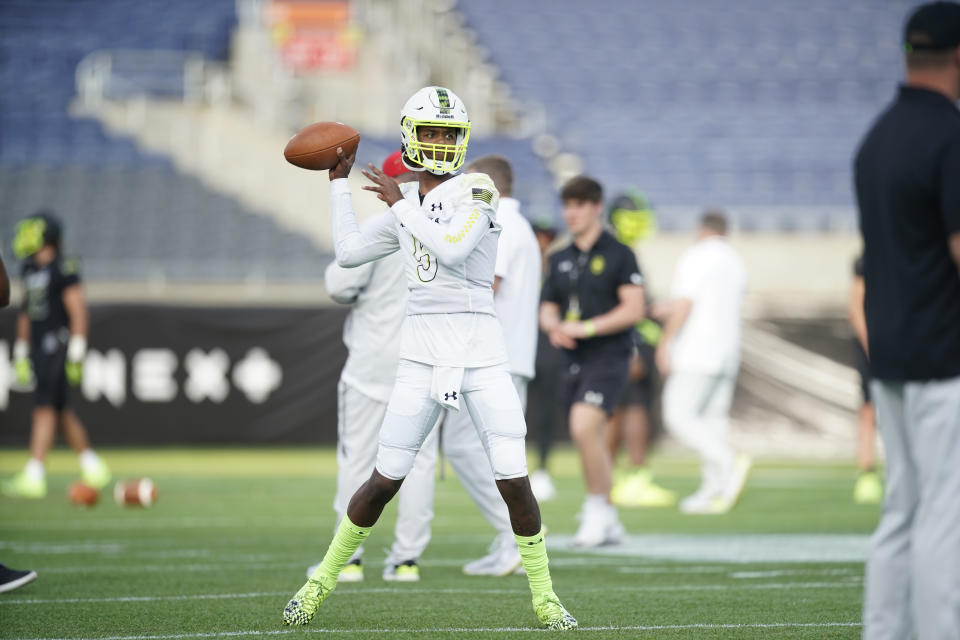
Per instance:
{"type": "Point", "coordinates": [542, 486]}
{"type": "Point", "coordinates": [503, 559]}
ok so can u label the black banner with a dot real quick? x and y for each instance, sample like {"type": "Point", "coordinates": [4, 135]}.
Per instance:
{"type": "Point", "coordinates": [162, 375]}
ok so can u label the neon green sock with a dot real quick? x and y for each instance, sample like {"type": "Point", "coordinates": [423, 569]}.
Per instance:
{"type": "Point", "coordinates": [348, 537]}
{"type": "Point", "coordinates": [533, 554]}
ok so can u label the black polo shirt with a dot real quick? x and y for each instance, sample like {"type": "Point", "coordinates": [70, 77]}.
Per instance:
{"type": "Point", "coordinates": [585, 283]}
{"type": "Point", "coordinates": [907, 175]}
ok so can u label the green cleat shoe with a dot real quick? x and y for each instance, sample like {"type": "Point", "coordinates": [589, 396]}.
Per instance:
{"type": "Point", "coordinates": [96, 475]}
{"type": "Point", "coordinates": [869, 489]}
{"type": "Point", "coordinates": [302, 607]}
{"type": "Point", "coordinates": [639, 490]}
{"type": "Point", "coordinates": [552, 614]}
{"type": "Point", "coordinates": [22, 486]}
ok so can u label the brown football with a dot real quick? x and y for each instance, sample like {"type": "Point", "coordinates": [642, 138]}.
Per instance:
{"type": "Point", "coordinates": [83, 495]}
{"type": "Point", "coordinates": [139, 492]}
{"type": "Point", "coordinates": [315, 146]}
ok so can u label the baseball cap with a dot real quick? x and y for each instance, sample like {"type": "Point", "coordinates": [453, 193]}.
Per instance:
{"type": "Point", "coordinates": [933, 26]}
{"type": "Point", "coordinates": [393, 165]}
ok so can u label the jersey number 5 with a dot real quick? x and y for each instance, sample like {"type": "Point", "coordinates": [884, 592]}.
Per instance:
{"type": "Point", "coordinates": [427, 267]}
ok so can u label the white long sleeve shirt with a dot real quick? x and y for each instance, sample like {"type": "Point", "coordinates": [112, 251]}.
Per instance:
{"type": "Point", "coordinates": [378, 293]}
{"type": "Point", "coordinates": [449, 245]}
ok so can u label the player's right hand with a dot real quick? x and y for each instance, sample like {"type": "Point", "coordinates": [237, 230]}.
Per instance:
{"type": "Point", "coordinates": [74, 371]}
{"type": "Point", "coordinates": [23, 371]}
{"type": "Point", "coordinates": [344, 164]}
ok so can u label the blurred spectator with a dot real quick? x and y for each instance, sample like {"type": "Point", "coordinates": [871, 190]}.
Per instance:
{"type": "Point", "coordinates": [633, 220]}
{"type": "Point", "coordinates": [50, 349]}
{"type": "Point", "coordinates": [699, 355]}
{"type": "Point", "coordinates": [543, 388]}
{"type": "Point", "coordinates": [868, 489]}
{"type": "Point", "coordinates": [907, 178]}
{"type": "Point", "coordinates": [592, 298]}
{"type": "Point", "coordinates": [516, 293]}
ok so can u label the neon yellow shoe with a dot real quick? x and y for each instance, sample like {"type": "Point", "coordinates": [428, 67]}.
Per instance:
{"type": "Point", "coordinates": [96, 474]}
{"type": "Point", "coordinates": [404, 572]}
{"type": "Point", "coordinates": [869, 489]}
{"type": "Point", "coordinates": [304, 604]}
{"type": "Point", "coordinates": [638, 489]}
{"type": "Point", "coordinates": [552, 614]}
{"type": "Point", "coordinates": [352, 572]}
{"type": "Point", "coordinates": [23, 486]}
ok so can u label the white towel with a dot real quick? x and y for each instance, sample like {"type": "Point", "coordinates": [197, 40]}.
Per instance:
{"type": "Point", "coordinates": [445, 386]}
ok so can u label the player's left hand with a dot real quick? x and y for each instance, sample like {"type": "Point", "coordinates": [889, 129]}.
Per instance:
{"type": "Point", "coordinates": [575, 330]}
{"type": "Point", "coordinates": [74, 372]}
{"type": "Point", "coordinates": [384, 186]}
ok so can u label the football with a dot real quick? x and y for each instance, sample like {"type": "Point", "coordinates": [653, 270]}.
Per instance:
{"type": "Point", "coordinates": [315, 146]}
{"type": "Point", "coordinates": [139, 492]}
{"type": "Point", "coordinates": [83, 495]}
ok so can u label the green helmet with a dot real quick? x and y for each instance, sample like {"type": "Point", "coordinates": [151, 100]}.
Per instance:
{"type": "Point", "coordinates": [632, 217]}
{"type": "Point", "coordinates": [33, 233]}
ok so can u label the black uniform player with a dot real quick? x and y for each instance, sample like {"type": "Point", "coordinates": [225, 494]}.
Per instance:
{"type": "Point", "coordinates": [50, 348]}
{"type": "Point", "coordinates": [869, 488]}
{"type": "Point", "coordinates": [592, 298]}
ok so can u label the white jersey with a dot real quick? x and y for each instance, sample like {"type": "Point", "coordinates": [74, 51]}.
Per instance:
{"type": "Point", "coordinates": [517, 300]}
{"type": "Point", "coordinates": [449, 248]}
{"type": "Point", "coordinates": [378, 293]}
{"type": "Point", "coordinates": [713, 277]}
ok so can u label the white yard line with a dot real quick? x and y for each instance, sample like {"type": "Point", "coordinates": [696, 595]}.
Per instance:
{"type": "Point", "coordinates": [854, 582]}
{"type": "Point", "coordinates": [659, 627]}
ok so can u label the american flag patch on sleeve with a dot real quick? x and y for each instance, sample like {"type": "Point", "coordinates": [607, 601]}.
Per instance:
{"type": "Point", "coordinates": [483, 194]}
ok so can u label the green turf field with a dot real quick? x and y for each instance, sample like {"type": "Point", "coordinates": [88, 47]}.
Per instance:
{"type": "Point", "coordinates": [233, 531]}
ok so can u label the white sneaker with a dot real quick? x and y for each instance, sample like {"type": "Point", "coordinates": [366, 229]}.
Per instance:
{"type": "Point", "coordinates": [542, 486]}
{"type": "Point", "coordinates": [594, 519]}
{"type": "Point", "coordinates": [738, 478]}
{"type": "Point", "coordinates": [699, 502]}
{"type": "Point", "coordinates": [615, 531]}
{"type": "Point", "coordinates": [503, 559]}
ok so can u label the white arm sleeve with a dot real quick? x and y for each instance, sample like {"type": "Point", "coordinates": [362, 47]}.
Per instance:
{"type": "Point", "coordinates": [352, 246]}
{"type": "Point", "coordinates": [344, 285]}
{"type": "Point", "coordinates": [451, 241]}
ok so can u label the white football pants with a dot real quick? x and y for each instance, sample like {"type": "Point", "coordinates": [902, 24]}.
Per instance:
{"type": "Point", "coordinates": [696, 411]}
{"type": "Point", "coordinates": [359, 418]}
{"type": "Point", "coordinates": [461, 445]}
{"type": "Point", "coordinates": [489, 396]}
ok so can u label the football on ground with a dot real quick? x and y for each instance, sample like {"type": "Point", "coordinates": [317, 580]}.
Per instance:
{"type": "Point", "coordinates": [83, 495]}
{"type": "Point", "coordinates": [140, 492]}
{"type": "Point", "coordinates": [315, 146]}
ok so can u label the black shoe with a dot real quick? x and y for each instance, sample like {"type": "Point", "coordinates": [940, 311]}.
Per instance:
{"type": "Point", "coordinates": [10, 579]}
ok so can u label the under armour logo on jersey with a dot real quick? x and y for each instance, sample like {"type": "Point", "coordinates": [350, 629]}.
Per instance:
{"type": "Point", "coordinates": [436, 205]}
{"type": "Point", "coordinates": [450, 396]}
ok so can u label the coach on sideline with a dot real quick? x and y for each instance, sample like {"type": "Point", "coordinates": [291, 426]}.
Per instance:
{"type": "Point", "coordinates": [907, 176]}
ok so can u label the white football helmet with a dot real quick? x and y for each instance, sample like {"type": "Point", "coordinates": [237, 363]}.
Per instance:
{"type": "Point", "coordinates": [434, 107]}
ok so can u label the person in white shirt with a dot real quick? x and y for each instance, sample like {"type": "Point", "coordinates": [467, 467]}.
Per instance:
{"type": "Point", "coordinates": [378, 297]}
{"type": "Point", "coordinates": [516, 297]}
{"type": "Point", "coordinates": [452, 351]}
{"type": "Point", "coordinates": [699, 355]}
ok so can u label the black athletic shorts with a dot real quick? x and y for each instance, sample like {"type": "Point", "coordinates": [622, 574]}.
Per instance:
{"type": "Point", "coordinates": [49, 370]}
{"type": "Point", "coordinates": [598, 380]}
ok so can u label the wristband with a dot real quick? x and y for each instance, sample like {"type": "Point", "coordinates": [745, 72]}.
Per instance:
{"type": "Point", "coordinates": [21, 350]}
{"type": "Point", "coordinates": [76, 348]}
{"type": "Point", "coordinates": [590, 328]}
